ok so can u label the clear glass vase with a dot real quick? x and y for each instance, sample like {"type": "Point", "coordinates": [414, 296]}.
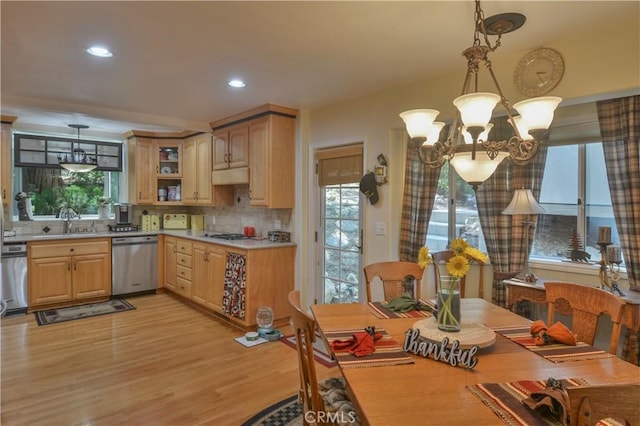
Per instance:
{"type": "Point", "coordinates": [448, 302]}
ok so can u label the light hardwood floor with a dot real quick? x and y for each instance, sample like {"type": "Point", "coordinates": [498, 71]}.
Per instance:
{"type": "Point", "coordinates": [164, 363]}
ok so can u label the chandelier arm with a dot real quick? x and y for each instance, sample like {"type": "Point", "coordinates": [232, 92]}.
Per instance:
{"type": "Point", "coordinates": [522, 151]}
{"type": "Point", "coordinates": [494, 147]}
{"type": "Point", "coordinates": [432, 162]}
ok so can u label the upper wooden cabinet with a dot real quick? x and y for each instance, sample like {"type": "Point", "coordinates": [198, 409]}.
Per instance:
{"type": "Point", "coordinates": [141, 170]}
{"type": "Point", "coordinates": [173, 169]}
{"type": "Point", "coordinates": [231, 147]}
{"type": "Point", "coordinates": [271, 135]}
{"type": "Point", "coordinates": [6, 180]}
{"type": "Point", "coordinates": [196, 178]}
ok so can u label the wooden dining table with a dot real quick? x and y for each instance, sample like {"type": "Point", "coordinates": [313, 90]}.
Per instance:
{"type": "Point", "coordinates": [430, 392]}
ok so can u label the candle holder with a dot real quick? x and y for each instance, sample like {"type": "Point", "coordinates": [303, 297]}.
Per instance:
{"type": "Point", "coordinates": [610, 267]}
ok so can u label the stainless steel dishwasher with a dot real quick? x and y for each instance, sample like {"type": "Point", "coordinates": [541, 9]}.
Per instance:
{"type": "Point", "coordinates": [134, 265]}
{"type": "Point", "coordinates": [13, 271]}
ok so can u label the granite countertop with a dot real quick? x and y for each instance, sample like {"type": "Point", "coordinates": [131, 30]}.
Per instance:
{"type": "Point", "coordinates": [245, 244]}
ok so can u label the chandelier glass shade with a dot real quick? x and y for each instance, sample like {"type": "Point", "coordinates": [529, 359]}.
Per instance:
{"type": "Point", "coordinates": [77, 160]}
{"type": "Point", "coordinates": [468, 146]}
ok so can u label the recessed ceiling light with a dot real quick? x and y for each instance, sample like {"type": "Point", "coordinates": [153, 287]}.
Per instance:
{"type": "Point", "coordinates": [236, 83]}
{"type": "Point", "coordinates": [101, 52]}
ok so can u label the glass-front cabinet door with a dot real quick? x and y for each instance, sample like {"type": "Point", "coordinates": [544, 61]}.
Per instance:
{"type": "Point", "coordinates": [169, 171]}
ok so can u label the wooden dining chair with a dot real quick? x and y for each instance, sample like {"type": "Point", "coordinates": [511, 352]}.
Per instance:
{"type": "Point", "coordinates": [586, 303]}
{"type": "Point", "coordinates": [393, 275]}
{"type": "Point", "coordinates": [591, 404]}
{"type": "Point", "coordinates": [305, 331]}
{"type": "Point", "coordinates": [328, 395]}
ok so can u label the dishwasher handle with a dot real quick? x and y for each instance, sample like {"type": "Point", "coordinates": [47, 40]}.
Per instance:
{"type": "Point", "coordinates": [123, 241]}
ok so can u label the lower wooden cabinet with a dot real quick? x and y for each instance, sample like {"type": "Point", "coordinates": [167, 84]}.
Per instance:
{"type": "Point", "coordinates": [69, 270]}
{"type": "Point", "coordinates": [170, 263]}
{"type": "Point", "coordinates": [208, 275]}
{"type": "Point", "coordinates": [229, 281]}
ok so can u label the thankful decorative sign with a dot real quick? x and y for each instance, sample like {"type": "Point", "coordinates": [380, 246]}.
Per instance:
{"type": "Point", "coordinates": [452, 355]}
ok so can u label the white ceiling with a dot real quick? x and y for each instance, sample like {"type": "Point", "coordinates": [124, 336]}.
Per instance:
{"type": "Point", "coordinates": [172, 59]}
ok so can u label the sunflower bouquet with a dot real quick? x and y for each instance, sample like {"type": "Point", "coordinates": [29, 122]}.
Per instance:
{"type": "Point", "coordinates": [448, 299]}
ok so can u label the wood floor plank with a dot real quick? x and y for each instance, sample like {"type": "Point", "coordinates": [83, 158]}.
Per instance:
{"type": "Point", "coordinates": [163, 363]}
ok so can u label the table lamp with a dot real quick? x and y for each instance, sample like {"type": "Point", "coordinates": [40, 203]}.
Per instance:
{"type": "Point", "coordinates": [524, 202]}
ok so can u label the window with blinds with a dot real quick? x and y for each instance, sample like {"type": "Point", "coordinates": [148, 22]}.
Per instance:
{"type": "Point", "coordinates": [338, 166]}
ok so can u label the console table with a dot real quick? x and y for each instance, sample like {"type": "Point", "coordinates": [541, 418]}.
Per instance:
{"type": "Point", "coordinates": [518, 291]}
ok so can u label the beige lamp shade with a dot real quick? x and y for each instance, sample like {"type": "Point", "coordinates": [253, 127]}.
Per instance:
{"type": "Point", "coordinates": [476, 108]}
{"type": "Point", "coordinates": [419, 121]}
{"type": "Point", "coordinates": [476, 171]}
{"type": "Point", "coordinates": [434, 133]}
{"type": "Point", "coordinates": [537, 113]}
{"type": "Point", "coordinates": [523, 202]}
{"type": "Point", "coordinates": [522, 127]}
{"type": "Point", "coordinates": [484, 135]}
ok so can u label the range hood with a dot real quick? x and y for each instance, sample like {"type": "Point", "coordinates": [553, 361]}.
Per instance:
{"type": "Point", "coordinates": [236, 176]}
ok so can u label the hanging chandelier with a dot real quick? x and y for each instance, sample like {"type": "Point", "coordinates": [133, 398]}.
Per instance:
{"type": "Point", "coordinates": [468, 148]}
{"type": "Point", "coordinates": [77, 160]}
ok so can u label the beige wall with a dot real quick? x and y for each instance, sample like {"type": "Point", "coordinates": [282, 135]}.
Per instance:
{"type": "Point", "coordinates": [599, 64]}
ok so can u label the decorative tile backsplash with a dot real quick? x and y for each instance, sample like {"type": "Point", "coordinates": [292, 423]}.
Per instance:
{"type": "Point", "coordinates": [218, 219]}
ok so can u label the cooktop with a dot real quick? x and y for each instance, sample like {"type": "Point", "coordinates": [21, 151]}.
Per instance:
{"type": "Point", "coordinates": [227, 236]}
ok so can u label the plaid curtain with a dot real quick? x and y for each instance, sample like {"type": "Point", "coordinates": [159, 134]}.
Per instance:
{"type": "Point", "coordinates": [620, 129]}
{"type": "Point", "coordinates": [420, 185]}
{"type": "Point", "coordinates": [505, 234]}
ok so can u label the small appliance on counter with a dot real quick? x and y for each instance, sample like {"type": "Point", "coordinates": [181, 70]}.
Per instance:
{"type": "Point", "coordinates": [197, 222]}
{"type": "Point", "coordinates": [175, 221]}
{"type": "Point", "coordinates": [124, 214]}
{"type": "Point", "coordinates": [123, 228]}
{"type": "Point", "coordinates": [150, 222]}
{"type": "Point", "coordinates": [279, 236]}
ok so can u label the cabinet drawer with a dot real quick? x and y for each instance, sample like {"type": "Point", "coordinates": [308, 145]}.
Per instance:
{"type": "Point", "coordinates": [68, 248]}
{"type": "Point", "coordinates": [183, 287]}
{"type": "Point", "coordinates": [184, 246]}
{"type": "Point", "coordinates": [184, 273]}
{"type": "Point", "coordinates": [184, 260]}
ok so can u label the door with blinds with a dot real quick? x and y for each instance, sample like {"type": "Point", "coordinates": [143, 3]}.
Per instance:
{"type": "Point", "coordinates": [339, 233]}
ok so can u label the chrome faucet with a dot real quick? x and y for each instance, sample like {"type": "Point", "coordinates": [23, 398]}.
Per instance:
{"type": "Point", "coordinates": [67, 215]}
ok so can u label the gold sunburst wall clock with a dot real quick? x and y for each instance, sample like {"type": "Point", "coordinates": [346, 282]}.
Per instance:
{"type": "Point", "coordinates": [539, 71]}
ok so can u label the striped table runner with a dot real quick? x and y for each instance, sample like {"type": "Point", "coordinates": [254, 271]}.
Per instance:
{"type": "Point", "coordinates": [380, 310]}
{"type": "Point", "coordinates": [388, 351]}
{"type": "Point", "coordinates": [505, 400]}
{"type": "Point", "coordinates": [556, 352]}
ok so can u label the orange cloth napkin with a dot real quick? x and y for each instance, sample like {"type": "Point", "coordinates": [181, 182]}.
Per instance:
{"type": "Point", "coordinates": [558, 332]}
{"type": "Point", "coordinates": [360, 344]}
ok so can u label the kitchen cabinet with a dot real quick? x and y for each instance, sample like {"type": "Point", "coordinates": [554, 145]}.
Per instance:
{"type": "Point", "coordinates": [6, 142]}
{"type": "Point", "coordinates": [231, 147]}
{"type": "Point", "coordinates": [184, 263]}
{"type": "Point", "coordinates": [196, 181]}
{"type": "Point", "coordinates": [208, 275]}
{"type": "Point", "coordinates": [170, 263]}
{"type": "Point", "coordinates": [69, 271]}
{"type": "Point", "coordinates": [168, 155]}
{"type": "Point", "coordinates": [255, 278]}
{"type": "Point", "coordinates": [271, 154]}
{"type": "Point", "coordinates": [272, 162]}
{"type": "Point", "coordinates": [141, 170]}
{"type": "Point", "coordinates": [232, 282]}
